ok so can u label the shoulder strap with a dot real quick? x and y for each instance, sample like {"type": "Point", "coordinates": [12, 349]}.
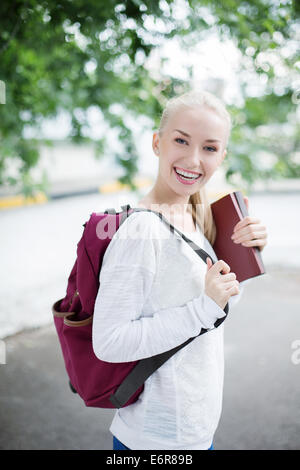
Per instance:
{"type": "Point", "coordinates": [145, 367]}
{"type": "Point", "coordinates": [200, 252]}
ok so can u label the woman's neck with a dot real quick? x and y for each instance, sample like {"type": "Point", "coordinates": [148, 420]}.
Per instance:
{"type": "Point", "coordinates": [174, 204]}
{"type": "Point", "coordinates": [179, 215]}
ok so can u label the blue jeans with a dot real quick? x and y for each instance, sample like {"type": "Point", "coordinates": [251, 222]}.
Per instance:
{"type": "Point", "coordinates": [117, 445]}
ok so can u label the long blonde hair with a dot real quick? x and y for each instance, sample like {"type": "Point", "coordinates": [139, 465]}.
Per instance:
{"type": "Point", "coordinates": [200, 206]}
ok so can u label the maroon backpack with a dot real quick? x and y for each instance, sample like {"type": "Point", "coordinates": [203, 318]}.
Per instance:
{"type": "Point", "coordinates": [99, 383]}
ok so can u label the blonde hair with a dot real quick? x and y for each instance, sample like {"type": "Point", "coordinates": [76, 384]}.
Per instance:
{"type": "Point", "coordinates": [200, 206]}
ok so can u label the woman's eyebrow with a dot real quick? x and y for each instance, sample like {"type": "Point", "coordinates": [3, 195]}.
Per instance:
{"type": "Point", "coordinates": [181, 132]}
{"type": "Point", "coordinates": [187, 135]}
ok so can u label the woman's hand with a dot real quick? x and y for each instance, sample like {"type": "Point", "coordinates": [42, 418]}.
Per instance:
{"type": "Point", "coordinates": [220, 287]}
{"type": "Point", "coordinates": [249, 231]}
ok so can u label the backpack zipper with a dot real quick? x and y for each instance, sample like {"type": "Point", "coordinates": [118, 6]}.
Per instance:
{"type": "Point", "coordinates": [74, 295]}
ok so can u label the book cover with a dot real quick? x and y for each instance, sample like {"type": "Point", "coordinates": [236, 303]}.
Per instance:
{"type": "Point", "coordinates": [245, 262]}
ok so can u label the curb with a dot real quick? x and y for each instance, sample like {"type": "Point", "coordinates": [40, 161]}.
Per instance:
{"type": "Point", "coordinates": [9, 202]}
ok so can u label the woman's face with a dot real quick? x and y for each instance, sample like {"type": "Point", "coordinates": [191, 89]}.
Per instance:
{"type": "Point", "coordinates": [194, 140]}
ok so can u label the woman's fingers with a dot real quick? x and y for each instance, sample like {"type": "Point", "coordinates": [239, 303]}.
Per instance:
{"type": "Point", "coordinates": [232, 287]}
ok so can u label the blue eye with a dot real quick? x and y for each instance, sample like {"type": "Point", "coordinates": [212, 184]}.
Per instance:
{"type": "Point", "coordinates": [178, 138]}
{"type": "Point", "coordinates": [211, 149]}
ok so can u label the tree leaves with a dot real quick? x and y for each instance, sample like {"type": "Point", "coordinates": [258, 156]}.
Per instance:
{"type": "Point", "coordinates": [73, 55]}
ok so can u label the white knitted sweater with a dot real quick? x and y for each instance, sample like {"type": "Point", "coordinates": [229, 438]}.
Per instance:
{"type": "Point", "coordinates": [151, 299]}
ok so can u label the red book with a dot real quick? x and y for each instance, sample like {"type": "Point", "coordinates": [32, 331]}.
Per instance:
{"type": "Point", "coordinates": [245, 262]}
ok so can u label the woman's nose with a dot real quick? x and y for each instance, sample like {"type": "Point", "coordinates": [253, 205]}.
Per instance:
{"type": "Point", "coordinates": [195, 157]}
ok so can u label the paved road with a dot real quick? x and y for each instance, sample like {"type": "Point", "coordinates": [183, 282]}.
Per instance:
{"type": "Point", "coordinates": [38, 249]}
{"type": "Point", "coordinates": [261, 407]}
{"type": "Point", "coordinates": [262, 385]}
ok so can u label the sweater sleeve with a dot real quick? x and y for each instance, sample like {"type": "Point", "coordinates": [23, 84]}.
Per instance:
{"type": "Point", "coordinates": [119, 333]}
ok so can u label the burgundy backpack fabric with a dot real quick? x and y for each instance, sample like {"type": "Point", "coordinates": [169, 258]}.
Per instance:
{"type": "Point", "coordinates": [94, 380]}
{"type": "Point", "coordinates": [99, 383]}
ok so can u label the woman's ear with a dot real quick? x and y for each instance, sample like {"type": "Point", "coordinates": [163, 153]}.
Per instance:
{"type": "Point", "coordinates": [155, 143]}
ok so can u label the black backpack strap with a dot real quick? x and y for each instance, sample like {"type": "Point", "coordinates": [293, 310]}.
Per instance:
{"type": "Point", "coordinates": [126, 207]}
{"type": "Point", "coordinates": [112, 210]}
{"type": "Point", "coordinates": [200, 252]}
{"type": "Point", "coordinates": [140, 373]}
{"type": "Point", "coordinates": [145, 367]}
{"type": "Point", "coordinates": [125, 214]}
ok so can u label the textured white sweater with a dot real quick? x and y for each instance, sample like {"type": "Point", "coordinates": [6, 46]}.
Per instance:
{"type": "Point", "coordinates": [151, 298]}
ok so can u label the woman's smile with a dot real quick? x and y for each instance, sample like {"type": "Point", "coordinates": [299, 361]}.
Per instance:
{"type": "Point", "coordinates": [184, 179]}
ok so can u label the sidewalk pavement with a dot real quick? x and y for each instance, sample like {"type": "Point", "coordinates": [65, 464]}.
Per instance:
{"type": "Point", "coordinates": [38, 249]}
{"type": "Point", "coordinates": [37, 410]}
{"type": "Point", "coordinates": [261, 394]}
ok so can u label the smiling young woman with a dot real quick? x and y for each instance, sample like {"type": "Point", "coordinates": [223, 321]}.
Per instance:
{"type": "Point", "coordinates": [155, 294]}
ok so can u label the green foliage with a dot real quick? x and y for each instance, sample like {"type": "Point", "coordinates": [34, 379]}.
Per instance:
{"type": "Point", "coordinates": [63, 55]}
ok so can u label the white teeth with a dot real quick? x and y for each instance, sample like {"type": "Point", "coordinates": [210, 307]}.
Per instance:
{"type": "Point", "coordinates": [185, 173]}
